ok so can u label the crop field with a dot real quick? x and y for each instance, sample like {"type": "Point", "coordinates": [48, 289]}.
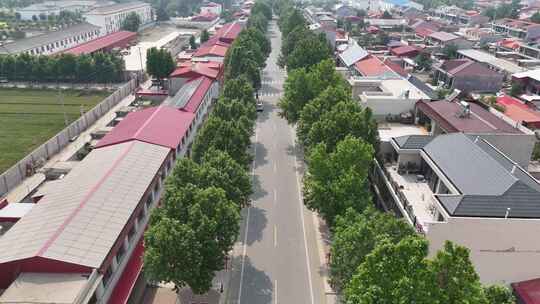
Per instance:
{"type": "Point", "coordinates": [29, 117]}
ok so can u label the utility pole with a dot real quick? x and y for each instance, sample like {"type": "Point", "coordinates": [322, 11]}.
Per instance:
{"type": "Point", "coordinates": [61, 101]}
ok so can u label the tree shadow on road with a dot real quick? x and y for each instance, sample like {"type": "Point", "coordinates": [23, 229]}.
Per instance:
{"type": "Point", "coordinates": [299, 153]}
{"type": "Point", "coordinates": [257, 223]}
{"type": "Point", "coordinates": [257, 288]}
{"type": "Point", "coordinates": [258, 190]}
{"type": "Point", "coordinates": [265, 114]}
{"type": "Point", "coordinates": [260, 156]}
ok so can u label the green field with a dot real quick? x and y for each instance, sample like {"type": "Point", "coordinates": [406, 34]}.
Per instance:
{"type": "Point", "coordinates": [29, 117]}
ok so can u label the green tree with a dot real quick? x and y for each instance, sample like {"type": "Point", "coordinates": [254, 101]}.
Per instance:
{"type": "Point", "coordinates": [217, 169]}
{"type": "Point", "coordinates": [204, 36]}
{"type": "Point", "coordinates": [290, 20]}
{"type": "Point", "coordinates": [536, 17]}
{"type": "Point", "coordinates": [345, 118]}
{"type": "Point", "coordinates": [239, 88]}
{"type": "Point", "coordinates": [356, 235]}
{"type": "Point", "coordinates": [423, 61]}
{"type": "Point", "coordinates": [516, 89]}
{"type": "Point", "coordinates": [228, 136]}
{"type": "Point", "coordinates": [450, 51]}
{"type": "Point", "coordinates": [234, 110]}
{"type": "Point", "coordinates": [84, 68]}
{"type": "Point", "coordinates": [324, 102]}
{"type": "Point", "coordinates": [159, 63]}
{"type": "Point", "coordinates": [289, 42]}
{"type": "Point", "coordinates": [190, 235]}
{"type": "Point", "coordinates": [394, 273]}
{"type": "Point", "coordinates": [262, 7]}
{"type": "Point", "coordinates": [386, 15]}
{"type": "Point", "coordinates": [302, 85]}
{"type": "Point", "coordinates": [192, 43]}
{"type": "Point", "coordinates": [455, 276]}
{"type": "Point", "coordinates": [308, 52]}
{"type": "Point", "coordinates": [132, 22]}
{"type": "Point", "coordinates": [338, 180]}
{"type": "Point", "coordinates": [498, 294]}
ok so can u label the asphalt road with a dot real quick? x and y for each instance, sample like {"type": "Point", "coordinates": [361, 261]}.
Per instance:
{"type": "Point", "coordinates": [276, 259]}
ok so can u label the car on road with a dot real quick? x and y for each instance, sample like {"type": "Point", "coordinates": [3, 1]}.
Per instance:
{"type": "Point", "coordinates": [260, 106]}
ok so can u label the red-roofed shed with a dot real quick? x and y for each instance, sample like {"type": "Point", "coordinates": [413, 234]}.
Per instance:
{"type": "Point", "coordinates": [215, 50]}
{"type": "Point", "coordinates": [198, 96]}
{"type": "Point", "coordinates": [520, 112]}
{"type": "Point", "coordinates": [229, 31]}
{"type": "Point", "coordinates": [527, 292]}
{"type": "Point", "coordinates": [371, 66]}
{"type": "Point", "coordinates": [164, 126]}
{"type": "Point", "coordinates": [106, 43]}
{"type": "Point", "coordinates": [405, 51]}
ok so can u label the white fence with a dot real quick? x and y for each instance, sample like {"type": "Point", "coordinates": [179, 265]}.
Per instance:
{"type": "Point", "coordinates": [18, 172]}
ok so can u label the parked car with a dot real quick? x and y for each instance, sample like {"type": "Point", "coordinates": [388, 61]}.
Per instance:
{"type": "Point", "coordinates": [260, 106]}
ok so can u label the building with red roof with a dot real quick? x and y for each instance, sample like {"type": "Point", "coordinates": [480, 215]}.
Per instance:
{"type": "Point", "coordinates": [519, 112]}
{"type": "Point", "coordinates": [527, 292]}
{"type": "Point", "coordinates": [163, 126]}
{"type": "Point", "coordinates": [193, 69]}
{"type": "Point", "coordinates": [215, 52]}
{"type": "Point", "coordinates": [408, 51]}
{"type": "Point", "coordinates": [229, 31]}
{"type": "Point", "coordinates": [105, 43]}
{"type": "Point", "coordinates": [205, 17]}
{"type": "Point", "coordinates": [371, 66]}
{"type": "Point", "coordinates": [468, 76]}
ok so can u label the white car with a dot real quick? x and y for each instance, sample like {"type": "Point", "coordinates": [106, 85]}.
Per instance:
{"type": "Point", "coordinates": [259, 106]}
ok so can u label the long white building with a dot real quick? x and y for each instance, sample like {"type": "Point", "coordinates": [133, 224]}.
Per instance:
{"type": "Point", "coordinates": [110, 18]}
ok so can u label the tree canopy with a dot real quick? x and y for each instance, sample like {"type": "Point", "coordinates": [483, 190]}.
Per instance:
{"type": "Point", "coordinates": [394, 273]}
{"type": "Point", "coordinates": [302, 85]}
{"type": "Point", "coordinates": [356, 235]}
{"type": "Point", "coordinates": [190, 235]}
{"type": "Point", "coordinates": [132, 22]}
{"type": "Point", "coordinates": [159, 63]}
{"type": "Point", "coordinates": [338, 180]}
{"type": "Point", "coordinates": [204, 36]}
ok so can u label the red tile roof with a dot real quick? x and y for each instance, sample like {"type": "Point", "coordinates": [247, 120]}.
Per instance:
{"type": "Point", "coordinates": [528, 291]}
{"type": "Point", "coordinates": [229, 31]}
{"type": "Point", "coordinates": [395, 67]}
{"type": "Point", "coordinates": [107, 41]}
{"type": "Point", "coordinates": [205, 17]}
{"type": "Point", "coordinates": [406, 50]}
{"type": "Point", "coordinates": [459, 67]}
{"type": "Point", "coordinates": [423, 31]}
{"type": "Point", "coordinates": [193, 70]}
{"type": "Point", "coordinates": [480, 120]}
{"type": "Point", "coordinates": [164, 126]}
{"type": "Point", "coordinates": [519, 111]}
{"type": "Point", "coordinates": [371, 66]}
{"type": "Point", "coordinates": [198, 96]}
{"type": "Point", "coordinates": [215, 50]}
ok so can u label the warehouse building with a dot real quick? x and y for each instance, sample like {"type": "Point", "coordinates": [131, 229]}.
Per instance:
{"type": "Point", "coordinates": [110, 18]}
{"type": "Point", "coordinates": [53, 42]}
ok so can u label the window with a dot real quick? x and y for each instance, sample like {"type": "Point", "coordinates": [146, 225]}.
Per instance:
{"type": "Point", "coordinates": [140, 216]}
{"type": "Point", "coordinates": [107, 276]}
{"type": "Point", "coordinates": [149, 201]}
{"type": "Point", "coordinates": [121, 253]}
{"type": "Point", "coordinates": [131, 233]}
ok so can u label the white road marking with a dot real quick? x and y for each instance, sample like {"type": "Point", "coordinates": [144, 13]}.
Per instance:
{"type": "Point", "coordinates": [275, 236]}
{"type": "Point", "coordinates": [244, 249]}
{"type": "Point", "coordinates": [303, 221]}
{"type": "Point", "coordinates": [275, 196]}
{"type": "Point", "coordinates": [275, 167]}
{"type": "Point", "coordinates": [275, 291]}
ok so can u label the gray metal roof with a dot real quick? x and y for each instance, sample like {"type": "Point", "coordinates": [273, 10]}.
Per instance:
{"type": "Point", "coordinates": [41, 40]}
{"type": "Point", "coordinates": [413, 141]}
{"type": "Point", "coordinates": [81, 219]}
{"type": "Point", "coordinates": [113, 8]}
{"type": "Point", "coordinates": [353, 54]}
{"type": "Point", "coordinates": [489, 182]}
{"type": "Point", "coordinates": [180, 99]}
{"type": "Point", "coordinates": [467, 166]}
{"type": "Point", "coordinates": [422, 86]}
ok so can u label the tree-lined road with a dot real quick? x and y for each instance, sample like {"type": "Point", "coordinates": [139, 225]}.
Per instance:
{"type": "Point", "coordinates": [276, 259]}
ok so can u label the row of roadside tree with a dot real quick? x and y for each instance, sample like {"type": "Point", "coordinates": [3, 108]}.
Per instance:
{"type": "Point", "coordinates": [375, 257]}
{"type": "Point", "coordinates": [191, 234]}
{"type": "Point", "coordinates": [99, 67]}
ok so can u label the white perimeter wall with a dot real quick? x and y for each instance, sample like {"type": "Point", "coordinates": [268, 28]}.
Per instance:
{"type": "Point", "coordinates": [502, 250]}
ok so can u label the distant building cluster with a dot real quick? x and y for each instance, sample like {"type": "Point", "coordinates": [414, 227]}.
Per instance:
{"type": "Point", "coordinates": [457, 98]}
